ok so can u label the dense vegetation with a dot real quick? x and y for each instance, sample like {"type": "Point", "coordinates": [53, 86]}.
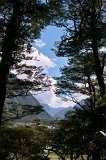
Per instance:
{"type": "Point", "coordinates": [79, 134]}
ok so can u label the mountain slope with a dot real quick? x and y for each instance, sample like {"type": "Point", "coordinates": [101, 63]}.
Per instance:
{"type": "Point", "coordinates": [52, 111]}
{"type": "Point", "coordinates": [43, 117]}
{"type": "Point", "coordinates": [62, 113]}
{"type": "Point", "coordinates": [25, 109]}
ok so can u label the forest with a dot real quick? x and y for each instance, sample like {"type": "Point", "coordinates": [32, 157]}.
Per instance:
{"type": "Point", "coordinates": [81, 135]}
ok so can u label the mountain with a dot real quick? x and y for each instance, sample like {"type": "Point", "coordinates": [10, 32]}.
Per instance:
{"type": "Point", "coordinates": [25, 109]}
{"type": "Point", "coordinates": [62, 113]}
{"type": "Point", "coordinates": [52, 111]}
{"type": "Point", "coordinates": [83, 103]}
{"type": "Point", "coordinates": [43, 117]}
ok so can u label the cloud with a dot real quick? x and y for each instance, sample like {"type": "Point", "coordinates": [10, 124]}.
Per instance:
{"type": "Point", "coordinates": [50, 98]}
{"type": "Point", "coordinates": [39, 59]}
{"type": "Point", "coordinates": [44, 61]}
{"type": "Point", "coordinates": [39, 43]}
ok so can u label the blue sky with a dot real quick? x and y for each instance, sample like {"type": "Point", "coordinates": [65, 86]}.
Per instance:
{"type": "Point", "coordinates": [48, 36]}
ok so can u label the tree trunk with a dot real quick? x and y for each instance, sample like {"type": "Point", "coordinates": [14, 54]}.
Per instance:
{"type": "Point", "coordinates": [98, 67]}
{"type": "Point", "coordinates": [92, 21]}
{"type": "Point", "coordinates": [95, 43]}
{"type": "Point", "coordinates": [3, 80]}
{"type": "Point", "coordinates": [9, 47]}
{"type": "Point", "coordinates": [96, 156]}
{"type": "Point", "coordinates": [62, 157]}
{"type": "Point", "coordinates": [88, 156]}
{"type": "Point", "coordinates": [71, 155]}
{"type": "Point", "coordinates": [92, 93]}
{"type": "Point", "coordinates": [82, 157]}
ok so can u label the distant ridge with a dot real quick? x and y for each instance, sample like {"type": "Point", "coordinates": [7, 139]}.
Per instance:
{"type": "Point", "coordinates": [25, 109]}
{"type": "Point", "coordinates": [57, 112]}
{"type": "Point", "coordinates": [51, 110]}
{"type": "Point", "coordinates": [61, 114]}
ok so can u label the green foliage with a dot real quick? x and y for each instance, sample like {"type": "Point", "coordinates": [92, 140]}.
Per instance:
{"type": "Point", "coordinates": [82, 42]}
{"type": "Point", "coordinates": [83, 38]}
{"type": "Point", "coordinates": [22, 142]}
{"type": "Point", "coordinates": [79, 134]}
{"type": "Point", "coordinates": [31, 77]}
{"type": "Point", "coordinates": [102, 101]}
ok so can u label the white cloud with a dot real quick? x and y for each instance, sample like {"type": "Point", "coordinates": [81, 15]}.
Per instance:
{"type": "Point", "coordinates": [44, 61]}
{"type": "Point", "coordinates": [39, 43]}
{"type": "Point", "coordinates": [51, 99]}
{"type": "Point", "coordinates": [39, 59]}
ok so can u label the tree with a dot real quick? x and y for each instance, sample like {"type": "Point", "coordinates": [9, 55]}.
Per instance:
{"type": "Point", "coordinates": [23, 142]}
{"type": "Point", "coordinates": [20, 21]}
{"type": "Point", "coordinates": [78, 77]}
{"type": "Point", "coordinates": [78, 135]}
{"type": "Point", "coordinates": [86, 125]}
{"type": "Point", "coordinates": [26, 76]}
{"type": "Point", "coordinates": [58, 142]}
{"type": "Point", "coordinates": [85, 27]}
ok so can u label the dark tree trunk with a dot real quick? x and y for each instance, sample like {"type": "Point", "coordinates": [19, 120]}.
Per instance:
{"type": "Point", "coordinates": [71, 155]}
{"type": "Point", "coordinates": [9, 47]}
{"type": "Point", "coordinates": [95, 36]}
{"type": "Point", "coordinates": [3, 80]}
{"type": "Point", "coordinates": [82, 157]}
{"type": "Point", "coordinates": [62, 158]}
{"type": "Point", "coordinates": [92, 93]}
{"type": "Point", "coordinates": [98, 67]}
{"type": "Point", "coordinates": [96, 156]}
